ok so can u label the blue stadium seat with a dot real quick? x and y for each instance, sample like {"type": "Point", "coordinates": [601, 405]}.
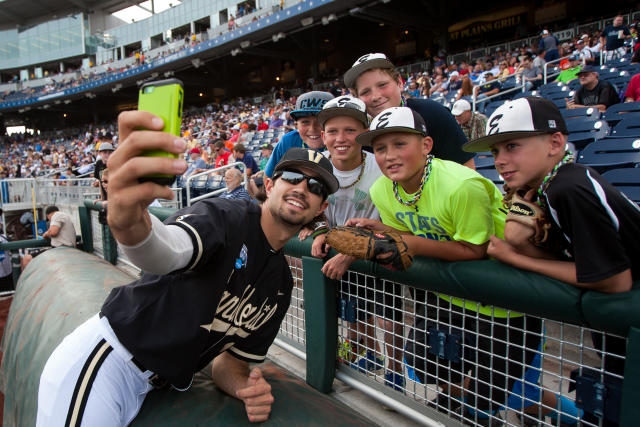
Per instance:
{"type": "Point", "coordinates": [587, 132]}
{"type": "Point", "coordinates": [585, 114]}
{"type": "Point", "coordinates": [611, 153]}
{"type": "Point", "coordinates": [214, 182]}
{"type": "Point", "coordinates": [491, 107]}
{"type": "Point", "coordinates": [484, 160]}
{"type": "Point", "coordinates": [629, 126]}
{"type": "Point", "coordinates": [617, 111]}
{"type": "Point", "coordinates": [626, 180]}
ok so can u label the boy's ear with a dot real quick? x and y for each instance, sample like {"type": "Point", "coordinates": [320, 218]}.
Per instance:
{"type": "Point", "coordinates": [427, 145]}
{"type": "Point", "coordinates": [557, 144]}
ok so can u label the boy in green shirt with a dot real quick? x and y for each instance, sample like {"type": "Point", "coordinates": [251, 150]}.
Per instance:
{"type": "Point", "coordinates": [448, 211]}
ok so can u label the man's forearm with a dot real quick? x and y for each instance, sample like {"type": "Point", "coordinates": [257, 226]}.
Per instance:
{"type": "Point", "coordinates": [229, 373]}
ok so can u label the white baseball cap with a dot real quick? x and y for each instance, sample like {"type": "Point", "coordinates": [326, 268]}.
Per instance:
{"type": "Point", "coordinates": [364, 63]}
{"type": "Point", "coordinates": [345, 105]}
{"type": "Point", "coordinates": [460, 107]}
{"type": "Point", "coordinates": [394, 119]}
{"type": "Point", "coordinates": [521, 118]}
{"type": "Point", "coordinates": [454, 73]}
{"type": "Point", "coordinates": [544, 32]}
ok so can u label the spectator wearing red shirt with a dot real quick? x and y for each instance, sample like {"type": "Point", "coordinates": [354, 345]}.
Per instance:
{"type": "Point", "coordinates": [633, 90]}
{"type": "Point", "coordinates": [222, 154]}
{"type": "Point", "coordinates": [262, 125]}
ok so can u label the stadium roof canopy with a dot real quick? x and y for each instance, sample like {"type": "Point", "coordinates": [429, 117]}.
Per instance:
{"type": "Point", "coordinates": [21, 13]}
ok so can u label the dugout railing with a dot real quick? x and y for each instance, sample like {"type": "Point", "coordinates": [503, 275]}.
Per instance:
{"type": "Point", "coordinates": [321, 319]}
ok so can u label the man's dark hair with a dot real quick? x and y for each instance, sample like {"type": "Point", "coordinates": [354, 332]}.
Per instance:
{"type": "Point", "coordinates": [239, 147]}
{"type": "Point", "coordinates": [51, 209]}
{"type": "Point", "coordinates": [219, 144]}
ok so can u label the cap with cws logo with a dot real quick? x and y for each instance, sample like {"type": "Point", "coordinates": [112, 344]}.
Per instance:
{"type": "Point", "coordinates": [310, 104]}
{"type": "Point", "coordinates": [298, 157]}
{"type": "Point", "coordinates": [522, 118]}
{"type": "Point", "coordinates": [364, 63]}
{"type": "Point", "coordinates": [394, 119]}
{"type": "Point", "coordinates": [344, 106]}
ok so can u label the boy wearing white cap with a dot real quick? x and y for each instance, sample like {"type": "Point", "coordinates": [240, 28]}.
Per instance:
{"type": "Point", "coordinates": [374, 80]}
{"type": "Point", "coordinates": [590, 220]}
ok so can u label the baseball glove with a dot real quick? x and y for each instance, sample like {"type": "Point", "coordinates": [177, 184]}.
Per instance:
{"type": "Point", "coordinates": [366, 244]}
{"type": "Point", "coordinates": [529, 213]}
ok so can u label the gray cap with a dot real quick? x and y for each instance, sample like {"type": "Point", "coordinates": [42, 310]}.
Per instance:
{"type": "Point", "coordinates": [310, 104]}
{"type": "Point", "coordinates": [106, 146]}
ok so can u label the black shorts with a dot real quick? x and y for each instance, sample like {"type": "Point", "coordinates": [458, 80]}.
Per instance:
{"type": "Point", "coordinates": [494, 352]}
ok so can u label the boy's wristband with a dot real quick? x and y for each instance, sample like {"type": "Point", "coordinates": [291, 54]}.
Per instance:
{"type": "Point", "coordinates": [320, 227]}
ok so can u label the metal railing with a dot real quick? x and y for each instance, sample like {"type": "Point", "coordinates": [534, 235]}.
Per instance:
{"type": "Point", "coordinates": [476, 101]}
{"type": "Point", "coordinates": [207, 173]}
{"type": "Point", "coordinates": [546, 66]}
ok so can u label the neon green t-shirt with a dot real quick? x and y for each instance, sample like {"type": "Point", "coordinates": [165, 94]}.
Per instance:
{"type": "Point", "coordinates": [457, 203]}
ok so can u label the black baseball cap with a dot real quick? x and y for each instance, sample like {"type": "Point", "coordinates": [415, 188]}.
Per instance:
{"type": "Point", "coordinates": [299, 157]}
{"type": "Point", "coordinates": [365, 63]}
{"type": "Point", "coordinates": [589, 69]}
{"type": "Point", "coordinates": [310, 104]}
{"type": "Point", "coordinates": [345, 105]}
{"type": "Point", "coordinates": [521, 118]}
{"type": "Point", "coordinates": [394, 119]}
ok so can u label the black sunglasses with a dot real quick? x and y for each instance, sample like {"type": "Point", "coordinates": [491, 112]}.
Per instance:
{"type": "Point", "coordinates": [294, 177]}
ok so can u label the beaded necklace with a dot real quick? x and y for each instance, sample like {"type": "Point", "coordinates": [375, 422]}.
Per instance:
{"type": "Point", "coordinates": [425, 176]}
{"type": "Point", "coordinates": [364, 159]}
{"type": "Point", "coordinates": [568, 158]}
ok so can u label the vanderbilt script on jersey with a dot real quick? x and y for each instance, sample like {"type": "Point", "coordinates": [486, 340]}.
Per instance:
{"type": "Point", "coordinates": [235, 315]}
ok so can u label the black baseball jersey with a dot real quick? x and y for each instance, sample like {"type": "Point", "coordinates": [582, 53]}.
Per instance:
{"type": "Point", "coordinates": [232, 295]}
{"type": "Point", "coordinates": [600, 226]}
{"type": "Point", "coordinates": [448, 137]}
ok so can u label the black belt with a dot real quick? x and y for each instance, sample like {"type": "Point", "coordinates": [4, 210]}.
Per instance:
{"type": "Point", "coordinates": [155, 380]}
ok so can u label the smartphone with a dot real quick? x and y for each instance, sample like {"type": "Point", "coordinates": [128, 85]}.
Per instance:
{"type": "Point", "coordinates": [164, 99]}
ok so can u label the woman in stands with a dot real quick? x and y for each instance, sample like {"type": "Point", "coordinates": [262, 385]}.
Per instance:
{"type": "Point", "coordinates": [467, 88]}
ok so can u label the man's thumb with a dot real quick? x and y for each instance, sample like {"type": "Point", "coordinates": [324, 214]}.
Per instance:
{"type": "Point", "coordinates": [254, 376]}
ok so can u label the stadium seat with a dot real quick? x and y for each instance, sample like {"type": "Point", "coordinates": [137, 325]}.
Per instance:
{"type": "Point", "coordinates": [626, 180]}
{"type": "Point", "coordinates": [617, 111]}
{"type": "Point", "coordinates": [585, 114]}
{"type": "Point", "coordinates": [588, 132]}
{"type": "Point", "coordinates": [611, 153]}
{"type": "Point", "coordinates": [491, 107]}
{"type": "Point", "coordinates": [629, 126]}
{"type": "Point", "coordinates": [484, 161]}
{"type": "Point", "coordinates": [214, 182]}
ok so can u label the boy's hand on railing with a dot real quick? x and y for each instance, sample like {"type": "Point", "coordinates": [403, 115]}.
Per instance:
{"type": "Point", "coordinates": [337, 266]}
{"type": "Point", "coordinates": [127, 215]}
{"type": "Point", "coordinates": [319, 249]}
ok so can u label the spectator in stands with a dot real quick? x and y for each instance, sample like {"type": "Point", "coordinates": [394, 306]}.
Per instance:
{"type": "Point", "coordinates": [104, 152]}
{"type": "Point", "coordinates": [256, 183]}
{"type": "Point", "coordinates": [571, 72]}
{"type": "Point", "coordinates": [196, 164]}
{"type": "Point", "coordinates": [240, 154]}
{"type": "Point", "coordinates": [633, 90]}
{"type": "Point", "coordinates": [261, 124]}
{"type": "Point", "coordinates": [373, 79]}
{"type": "Point", "coordinates": [473, 124]}
{"type": "Point", "coordinates": [308, 133]}
{"type": "Point", "coordinates": [490, 87]}
{"type": "Point", "coordinates": [336, 89]}
{"type": "Point", "coordinates": [549, 43]}
{"type": "Point", "coordinates": [466, 89]}
{"type": "Point", "coordinates": [235, 189]}
{"type": "Point", "coordinates": [413, 90]}
{"type": "Point", "coordinates": [438, 86]}
{"type": "Point", "coordinates": [584, 53]}
{"type": "Point", "coordinates": [504, 71]}
{"type": "Point", "coordinates": [531, 74]}
{"type": "Point", "coordinates": [613, 38]}
{"type": "Point", "coordinates": [223, 156]}
{"type": "Point", "coordinates": [593, 92]}
{"type": "Point", "coordinates": [595, 225]}
{"type": "Point", "coordinates": [61, 232]}
{"type": "Point", "coordinates": [539, 61]}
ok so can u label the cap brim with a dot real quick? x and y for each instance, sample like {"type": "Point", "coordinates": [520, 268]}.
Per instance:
{"type": "Point", "coordinates": [327, 177]}
{"type": "Point", "coordinates": [484, 144]}
{"type": "Point", "coordinates": [329, 113]}
{"type": "Point", "coordinates": [298, 114]}
{"type": "Point", "coordinates": [352, 74]}
{"type": "Point", "coordinates": [368, 137]}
